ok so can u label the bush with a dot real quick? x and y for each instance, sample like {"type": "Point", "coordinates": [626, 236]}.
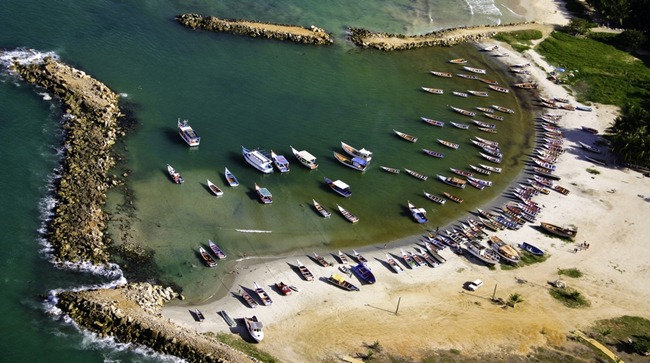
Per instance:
{"type": "Point", "coordinates": [571, 272]}
{"type": "Point", "coordinates": [571, 298]}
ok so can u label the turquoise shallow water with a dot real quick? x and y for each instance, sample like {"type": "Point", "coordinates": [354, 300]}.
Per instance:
{"type": "Point", "coordinates": [235, 91]}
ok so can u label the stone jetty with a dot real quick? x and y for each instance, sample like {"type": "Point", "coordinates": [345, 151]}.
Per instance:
{"type": "Point", "coordinates": [294, 33]}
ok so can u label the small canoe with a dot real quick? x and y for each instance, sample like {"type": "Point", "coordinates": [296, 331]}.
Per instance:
{"type": "Point", "coordinates": [453, 197]}
{"type": "Point", "coordinates": [215, 189]}
{"type": "Point", "coordinates": [435, 91]}
{"type": "Point", "coordinates": [230, 178]}
{"type": "Point", "coordinates": [459, 125]}
{"type": "Point", "coordinates": [415, 174]}
{"type": "Point", "coordinates": [433, 122]}
{"type": "Point", "coordinates": [349, 216]}
{"type": "Point", "coordinates": [390, 170]}
{"type": "Point", "coordinates": [435, 154]}
{"type": "Point", "coordinates": [406, 137]}
{"type": "Point", "coordinates": [434, 198]}
{"type": "Point", "coordinates": [474, 70]}
{"type": "Point", "coordinates": [324, 212]}
{"type": "Point", "coordinates": [458, 61]}
{"type": "Point", "coordinates": [478, 93]}
{"type": "Point", "coordinates": [448, 144]}
{"type": "Point", "coordinates": [460, 94]}
{"type": "Point", "coordinates": [503, 109]}
{"type": "Point", "coordinates": [499, 88]}
{"type": "Point", "coordinates": [442, 74]}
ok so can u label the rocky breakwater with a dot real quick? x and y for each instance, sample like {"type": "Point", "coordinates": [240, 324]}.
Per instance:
{"type": "Point", "coordinates": [298, 34]}
{"type": "Point", "coordinates": [131, 313]}
{"type": "Point", "coordinates": [76, 230]}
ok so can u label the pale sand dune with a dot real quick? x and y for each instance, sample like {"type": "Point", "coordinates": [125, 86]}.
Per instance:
{"type": "Point", "coordinates": [610, 209]}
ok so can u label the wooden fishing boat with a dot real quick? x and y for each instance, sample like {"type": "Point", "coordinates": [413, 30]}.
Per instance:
{"type": "Point", "coordinates": [498, 88]}
{"type": "Point", "coordinates": [478, 93]}
{"type": "Point", "coordinates": [254, 328]}
{"type": "Point", "coordinates": [419, 214]}
{"type": "Point", "coordinates": [425, 256]}
{"type": "Point", "coordinates": [339, 281]}
{"type": "Point", "coordinates": [265, 196]}
{"type": "Point", "coordinates": [216, 250]}
{"type": "Point", "coordinates": [188, 134]}
{"type": "Point", "coordinates": [544, 164]}
{"type": "Point", "coordinates": [458, 61]}
{"type": "Point", "coordinates": [560, 189]}
{"type": "Point", "coordinates": [227, 318]}
{"type": "Point", "coordinates": [519, 70]}
{"type": "Point", "coordinates": [434, 198]}
{"type": "Point", "coordinates": [545, 182]}
{"type": "Point", "coordinates": [561, 99]}
{"type": "Point", "coordinates": [474, 70]}
{"type": "Point", "coordinates": [546, 173]}
{"type": "Point", "coordinates": [408, 260]}
{"type": "Point", "coordinates": [249, 299]}
{"type": "Point", "coordinates": [391, 262]}
{"type": "Point", "coordinates": [460, 94]}
{"type": "Point", "coordinates": [207, 258]}
{"type": "Point", "coordinates": [304, 271]}
{"type": "Point", "coordinates": [490, 48]}
{"type": "Point", "coordinates": [491, 158]}
{"type": "Point", "coordinates": [494, 117]}
{"type": "Point", "coordinates": [490, 224]}
{"type": "Point", "coordinates": [176, 176]}
{"type": "Point", "coordinates": [364, 273]}
{"type": "Point", "coordinates": [215, 189]}
{"type": "Point", "coordinates": [339, 187]}
{"type": "Point", "coordinates": [433, 251]}
{"type": "Point", "coordinates": [484, 124]}
{"type": "Point", "coordinates": [442, 74]}
{"type": "Point", "coordinates": [263, 296]}
{"type": "Point", "coordinates": [488, 81]}
{"type": "Point", "coordinates": [583, 108]}
{"type": "Point", "coordinates": [230, 178]}
{"type": "Point", "coordinates": [567, 231]}
{"type": "Point", "coordinates": [359, 257]}
{"type": "Point", "coordinates": [359, 153]}
{"type": "Point", "coordinates": [305, 158]}
{"type": "Point", "coordinates": [596, 161]}
{"type": "Point", "coordinates": [435, 91]}
{"type": "Point", "coordinates": [484, 254]}
{"type": "Point", "coordinates": [283, 288]}
{"type": "Point", "coordinates": [342, 257]}
{"type": "Point", "coordinates": [467, 76]}
{"type": "Point", "coordinates": [493, 169]}
{"type": "Point", "coordinates": [459, 125]}
{"type": "Point", "coordinates": [485, 109]}
{"type": "Point", "coordinates": [453, 181]}
{"type": "Point", "coordinates": [415, 174]}
{"type": "Point", "coordinates": [280, 162]}
{"type": "Point", "coordinates": [406, 137]}
{"type": "Point", "coordinates": [507, 252]}
{"type": "Point", "coordinates": [463, 112]}
{"type": "Point", "coordinates": [435, 154]}
{"type": "Point", "coordinates": [448, 144]}
{"type": "Point", "coordinates": [349, 216]}
{"type": "Point", "coordinates": [588, 147]}
{"type": "Point", "coordinates": [453, 197]}
{"type": "Point", "coordinates": [355, 163]}
{"type": "Point", "coordinates": [476, 185]}
{"type": "Point", "coordinates": [345, 270]}
{"type": "Point", "coordinates": [390, 170]}
{"type": "Point", "coordinates": [487, 183]}
{"type": "Point", "coordinates": [503, 109]}
{"type": "Point", "coordinates": [526, 85]}
{"type": "Point", "coordinates": [480, 170]}
{"type": "Point", "coordinates": [590, 130]}
{"type": "Point", "coordinates": [433, 122]}
{"type": "Point", "coordinates": [321, 260]}
{"type": "Point", "coordinates": [461, 172]}
{"type": "Point", "coordinates": [324, 212]}
{"type": "Point", "coordinates": [531, 249]}
{"type": "Point", "coordinates": [486, 141]}
{"type": "Point", "coordinates": [418, 260]}
{"type": "Point", "coordinates": [485, 129]}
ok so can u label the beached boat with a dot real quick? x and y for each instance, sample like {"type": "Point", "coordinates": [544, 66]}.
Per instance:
{"type": "Point", "coordinates": [305, 158]}
{"type": "Point", "coordinates": [304, 271]}
{"type": "Point", "coordinates": [432, 122]}
{"type": "Point", "coordinates": [321, 261]}
{"type": "Point", "coordinates": [207, 258]}
{"type": "Point", "coordinates": [459, 125]}
{"type": "Point", "coordinates": [490, 224]}
{"type": "Point", "coordinates": [441, 74]}
{"type": "Point", "coordinates": [254, 327]}
{"type": "Point", "coordinates": [408, 260]}
{"type": "Point", "coordinates": [503, 109]}
{"type": "Point", "coordinates": [494, 117]}
{"type": "Point", "coordinates": [283, 288]}
{"type": "Point", "coordinates": [393, 264]}
{"type": "Point", "coordinates": [460, 94]}
{"type": "Point", "coordinates": [230, 178]}
{"type": "Point", "coordinates": [215, 189]}
{"type": "Point", "coordinates": [590, 130]}
{"type": "Point", "coordinates": [490, 48]}
{"type": "Point", "coordinates": [258, 160]}
{"type": "Point", "coordinates": [419, 214]}
{"type": "Point", "coordinates": [544, 181]}
{"type": "Point", "coordinates": [435, 91]}
{"type": "Point", "coordinates": [265, 196]}
{"type": "Point", "coordinates": [324, 212]}
{"type": "Point", "coordinates": [435, 154]}
{"type": "Point", "coordinates": [544, 164]}
{"type": "Point", "coordinates": [453, 197]}
{"type": "Point", "coordinates": [484, 124]}
{"type": "Point", "coordinates": [531, 249]}
{"type": "Point", "coordinates": [280, 162]}
{"type": "Point", "coordinates": [484, 254]}
{"type": "Point", "coordinates": [596, 161]}
{"type": "Point", "coordinates": [415, 174]}
{"type": "Point", "coordinates": [364, 273]}
{"type": "Point", "coordinates": [227, 319]}
{"type": "Point", "coordinates": [588, 147]}
{"type": "Point", "coordinates": [359, 153]}
{"type": "Point", "coordinates": [453, 181]}
{"type": "Point", "coordinates": [526, 85]}
{"type": "Point", "coordinates": [493, 169]}
{"type": "Point", "coordinates": [406, 137]}
{"type": "Point", "coordinates": [561, 190]}
{"type": "Point", "coordinates": [467, 76]}
{"type": "Point", "coordinates": [188, 134]}
{"type": "Point", "coordinates": [458, 61]}
{"type": "Point", "coordinates": [339, 281]}
{"type": "Point", "coordinates": [249, 299]}
{"type": "Point", "coordinates": [463, 112]}
{"type": "Point", "coordinates": [216, 250]}
{"type": "Point", "coordinates": [434, 198]}
{"type": "Point", "coordinates": [342, 257]}
{"type": "Point", "coordinates": [349, 216]}
{"type": "Point", "coordinates": [426, 257]}
{"type": "Point", "coordinates": [461, 172]}
{"type": "Point", "coordinates": [199, 315]}
{"type": "Point", "coordinates": [339, 187]}
{"type": "Point", "coordinates": [480, 170]}
{"type": "Point", "coordinates": [567, 231]}
{"type": "Point", "coordinates": [498, 88]}
{"type": "Point", "coordinates": [176, 176]}
{"type": "Point", "coordinates": [507, 252]}
{"type": "Point", "coordinates": [390, 170]}
{"type": "Point", "coordinates": [264, 297]}
{"type": "Point", "coordinates": [355, 163]}
{"type": "Point", "coordinates": [546, 173]}
{"type": "Point", "coordinates": [359, 257]}
{"type": "Point", "coordinates": [478, 93]}
{"type": "Point", "coordinates": [491, 158]}
{"type": "Point", "coordinates": [418, 259]}
{"type": "Point", "coordinates": [583, 108]}
{"type": "Point", "coordinates": [474, 70]}
{"type": "Point", "coordinates": [448, 144]}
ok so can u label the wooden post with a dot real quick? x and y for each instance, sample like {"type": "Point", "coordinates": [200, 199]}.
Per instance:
{"type": "Point", "coordinates": [495, 292]}
{"type": "Point", "coordinates": [398, 301]}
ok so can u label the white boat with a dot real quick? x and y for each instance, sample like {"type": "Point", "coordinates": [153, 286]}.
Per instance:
{"type": "Point", "coordinates": [324, 212]}
{"type": "Point", "coordinates": [436, 91]}
{"type": "Point", "coordinates": [230, 178]}
{"type": "Point", "coordinates": [263, 295]}
{"type": "Point", "coordinates": [258, 160]}
{"type": "Point", "coordinates": [188, 134]}
{"type": "Point", "coordinates": [355, 163]}
{"type": "Point", "coordinates": [265, 196]}
{"type": "Point", "coordinates": [504, 250]}
{"type": "Point", "coordinates": [493, 169]}
{"type": "Point", "coordinates": [419, 214]}
{"type": "Point", "coordinates": [363, 153]}
{"type": "Point", "coordinates": [349, 216]}
{"type": "Point", "coordinates": [393, 264]}
{"type": "Point", "coordinates": [254, 327]}
{"type": "Point", "coordinates": [176, 176]}
{"type": "Point", "coordinates": [339, 186]}
{"type": "Point", "coordinates": [215, 189]}
{"type": "Point", "coordinates": [434, 198]}
{"type": "Point", "coordinates": [482, 253]}
{"type": "Point", "coordinates": [474, 70]}
{"type": "Point", "coordinates": [305, 158]}
{"type": "Point", "coordinates": [280, 162]}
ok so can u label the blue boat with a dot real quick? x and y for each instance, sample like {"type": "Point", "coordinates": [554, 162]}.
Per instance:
{"type": "Point", "coordinates": [532, 249]}
{"type": "Point", "coordinates": [363, 272]}
{"type": "Point", "coordinates": [339, 187]}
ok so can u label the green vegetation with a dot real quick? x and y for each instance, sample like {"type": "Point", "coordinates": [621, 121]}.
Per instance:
{"type": "Point", "coordinates": [578, 26]}
{"type": "Point", "coordinates": [519, 40]}
{"type": "Point", "coordinates": [630, 135]}
{"type": "Point", "coordinates": [527, 258]}
{"type": "Point", "coordinates": [514, 299]}
{"type": "Point", "coordinates": [629, 14]}
{"type": "Point", "coordinates": [571, 272]}
{"type": "Point", "coordinates": [593, 171]}
{"type": "Point", "coordinates": [616, 331]}
{"type": "Point", "coordinates": [571, 298]}
{"type": "Point", "coordinates": [246, 348]}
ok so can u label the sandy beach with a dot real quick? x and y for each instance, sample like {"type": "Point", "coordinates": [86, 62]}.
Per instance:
{"type": "Point", "coordinates": [610, 208]}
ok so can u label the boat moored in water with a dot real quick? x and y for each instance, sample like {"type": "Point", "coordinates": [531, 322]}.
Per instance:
{"type": "Point", "coordinates": [305, 158]}
{"type": "Point", "coordinates": [355, 163]}
{"type": "Point", "coordinates": [265, 196]}
{"type": "Point", "coordinates": [280, 162]}
{"type": "Point", "coordinates": [176, 176]}
{"type": "Point", "coordinates": [230, 178]}
{"type": "Point", "coordinates": [339, 187]}
{"type": "Point", "coordinates": [258, 160]}
{"type": "Point", "coordinates": [188, 134]}
{"type": "Point", "coordinates": [419, 214]}
{"type": "Point", "coordinates": [215, 189]}
{"type": "Point", "coordinates": [360, 153]}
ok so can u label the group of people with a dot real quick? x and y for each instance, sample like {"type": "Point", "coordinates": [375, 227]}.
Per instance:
{"type": "Point", "coordinates": [583, 246]}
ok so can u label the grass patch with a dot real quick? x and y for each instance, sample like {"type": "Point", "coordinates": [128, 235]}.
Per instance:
{"type": "Point", "coordinates": [599, 72]}
{"type": "Point", "coordinates": [246, 348]}
{"type": "Point", "coordinates": [527, 258]}
{"type": "Point", "coordinates": [519, 40]}
{"type": "Point", "coordinates": [615, 333]}
{"type": "Point", "coordinates": [593, 171]}
{"type": "Point", "coordinates": [571, 298]}
{"type": "Point", "coordinates": [571, 272]}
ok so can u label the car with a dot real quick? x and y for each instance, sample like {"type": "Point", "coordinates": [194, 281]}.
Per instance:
{"type": "Point", "coordinates": [474, 285]}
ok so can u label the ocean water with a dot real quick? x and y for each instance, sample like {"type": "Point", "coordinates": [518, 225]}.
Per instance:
{"type": "Point", "coordinates": [234, 91]}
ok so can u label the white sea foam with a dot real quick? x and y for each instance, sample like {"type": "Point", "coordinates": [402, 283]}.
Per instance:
{"type": "Point", "coordinates": [124, 95]}
{"type": "Point", "coordinates": [484, 8]}
{"type": "Point", "coordinates": [513, 12]}
{"type": "Point", "coordinates": [252, 231]}
{"type": "Point", "coordinates": [23, 56]}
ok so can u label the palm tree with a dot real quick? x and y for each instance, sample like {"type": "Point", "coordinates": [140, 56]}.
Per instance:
{"type": "Point", "coordinates": [514, 299]}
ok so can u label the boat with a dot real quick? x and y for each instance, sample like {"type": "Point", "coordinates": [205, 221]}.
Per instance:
{"type": "Point", "coordinates": [249, 299]}
{"type": "Point", "coordinates": [596, 161]}
{"type": "Point", "coordinates": [434, 198]}
{"type": "Point", "coordinates": [207, 258]}
{"type": "Point", "coordinates": [490, 224]}
{"type": "Point", "coordinates": [418, 260]}
{"type": "Point", "coordinates": [280, 162]}
{"type": "Point", "coordinates": [561, 99]}
{"type": "Point", "coordinates": [494, 117]}
{"type": "Point", "coordinates": [345, 270]}
{"type": "Point", "coordinates": [474, 70]}
{"type": "Point", "coordinates": [561, 190]}
{"type": "Point", "coordinates": [349, 216]}
{"type": "Point", "coordinates": [485, 129]}
{"type": "Point", "coordinates": [526, 85]}
{"type": "Point", "coordinates": [484, 254]}
{"type": "Point", "coordinates": [487, 183]}
{"type": "Point", "coordinates": [461, 172]}
{"type": "Point", "coordinates": [283, 288]}
{"type": "Point", "coordinates": [215, 189]}
{"type": "Point", "coordinates": [491, 158]}
{"type": "Point", "coordinates": [176, 176]}
{"type": "Point", "coordinates": [448, 144]}
{"type": "Point", "coordinates": [216, 250]}
{"type": "Point", "coordinates": [499, 88]}
{"type": "Point", "coordinates": [265, 196]}
{"type": "Point", "coordinates": [442, 74]}
{"type": "Point", "coordinates": [324, 212]}
{"type": "Point", "coordinates": [419, 214]}
{"type": "Point", "coordinates": [391, 262]}
{"type": "Point", "coordinates": [342, 257]}
{"type": "Point", "coordinates": [467, 76]}
{"type": "Point", "coordinates": [339, 187]}
{"type": "Point", "coordinates": [305, 158]}
{"type": "Point", "coordinates": [436, 91]}
{"type": "Point", "coordinates": [584, 108]}
{"type": "Point", "coordinates": [230, 178]}
{"type": "Point", "coordinates": [321, 260]}
{"type": "Point", "coordinates": [493, 169]}
{"type": "Point", "coordinates": [435, 154]}
{"type": "Point", "coordinates": [254, 327]}
{"type": "Point", "coordinates": [546, 173]}
{"type": "Point", "coordinates": [458, 61]}
{"type": "Point", "coordinates": [488, 81]}
{"type": "Point", "coordinates": [478, 93]}
{"type": "Point", "coordinates": [531, 249]}
{"type": "Point", "coordinates": [363, 153]}
{"type": "Point", "coordinates": [490, 48]}
{"type": "Point", "coordinates": [453, 181]}
{"type": "Point", "coordinates": [545, 182]}
{"type": "Point", "coordinates": [304, 271]}
{"type": "Point", "coordinates": [433, 251]}
{"type": "Point", "coordinates": [453, 197]}
{"type": "Point", "coordinates": [460, 94]}
{"type": "Point", "coordinates": [485, 124]}
{"type": "Point", "coordinates": [415, 174]}
{"type": "Point", "coordinates": [408, 260]}
{"type": "Point", "coordinates": [339, 281]}
{"type": "Point", "coordinates": [227, 318]}
{"type": "Point", "coordinates": [502, 109]}
{"type": "Point", "coordinates": [188, 134]}
{"type": "Point", "coordinates": [258, 160]}
{"type": "Point", "coordinates": [264, 297]}
{"type": "Point", "coordinates": [359, 257]}
{"type": "Point", "coordinates": [390, 170]}
{"type": "Point", "coordinates": [363, 272]}
{"type": "Point", "coordinates": [355, 163]}
{"type": "Point", "coordinates": [406, 137]}
{"type": "Point", "coordinates": [461, 126]}
{"type": "Point", "coordinates": [544, 164]}
{"type": "Point", "coordinates": [199, 315]}
{"type": "Point", "coordinates": [507, 252]}
{"type": "Point", "coordinates": [590, 130]}
{"type": "Point", "coordinates": [432, 122]}
{"type": "Point", "coordinates": [487, 142]}
{"type": "Point", "coordinates": [425, 256]}
{"type": "Point", "coordinates": [476, 184]}
{"type": "Point", "coordinates": [589, 147]}
{"type": "Point", "coordinates": [463, 112]}
{"type": "Point", "coordinates": [485, 109]}
{"type": "Point", "coordinates": [567, 231]}
{"type": "Point", "coordinates": [480, 170]}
